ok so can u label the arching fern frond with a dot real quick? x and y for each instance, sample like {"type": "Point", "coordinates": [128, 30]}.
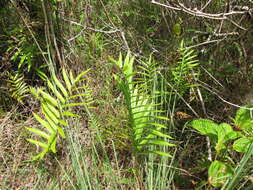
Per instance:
{"type": "Point", "coordinates": [18, 89]}
{"type": "Point", "coordinates": [182, 72]}
{"type": "Point", "coordinates": [56, 104]}
{"type": "Point", "coordinates": [143, 113]}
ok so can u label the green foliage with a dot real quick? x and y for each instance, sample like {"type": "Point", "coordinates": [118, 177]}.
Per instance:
{"type": "Point", "coordinates": [242, 144]}
{"type": "Point", "coordinates": [218, 173]}
{"type": "Point", "coordinates": [177, 29]}
{"type": "Point", "coordinates": [243, 119]}
{"type": "Point", "coordinates": [182, 72]}
{"type": "Point", "coordinates": [148, 75]}
{"type": "Point", "coordinates": [219, 134]}
{"type": "Point", "coordinates": [55, 107]}
{"type": "Point", "coordinates": [142, 111]}
{"type": "Point", "coordinates": [22, 50]}
{"type": "Point", "coordinates": [18, 89]}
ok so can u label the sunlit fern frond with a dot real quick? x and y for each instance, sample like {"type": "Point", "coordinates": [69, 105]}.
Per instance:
{"type": "Point", "coordinates": [18, 89]}
{"type": "Point", "coordinates": [148, 74]}
{"type": "Point", "coordinates": [56, 104]}
{"type": "Point", "coordinates": [143, 113]}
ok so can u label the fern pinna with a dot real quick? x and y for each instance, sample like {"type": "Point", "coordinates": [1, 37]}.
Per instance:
{"type": "Point", "coordinates": [55, 106]}
{"type": "Point", "coordinates": [142, 111]}
{"type": "Point", "coordinates": [18, 89]}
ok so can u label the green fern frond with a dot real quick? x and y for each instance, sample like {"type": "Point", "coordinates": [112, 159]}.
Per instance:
{"type": "Point", "coordinates": [142, 111]}
{"type": "Point", "coordinates": [55, 107]}
{"type": "Point", "coordinates": [18, 89]}
{"type": "Point", "coordinates": [148, 74]}
{"type": "Point", "coordinates": [182, 72]}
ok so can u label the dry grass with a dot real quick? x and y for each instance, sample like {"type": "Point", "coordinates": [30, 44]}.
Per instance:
{"type": "Point", "coordinates": [15, 173]}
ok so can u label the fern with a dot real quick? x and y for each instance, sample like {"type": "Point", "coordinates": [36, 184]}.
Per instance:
{"type": "Point", "coordinates": [148, 75]}
{"type": "Point", "coordinates": [142, 111]}
{"type": "Point", "coordinates": [18, 89]}
{"type": "Point", "coordinates": [55, 106]}
{"type": "Point", "coordinates": [182, 73]}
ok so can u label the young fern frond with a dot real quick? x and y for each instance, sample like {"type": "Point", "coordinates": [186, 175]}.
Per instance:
{"type": "Point", "coordinates": [19, 89]}
{"type": "Point", "coordinates": [182, 73]}
{"type": "Point", "coordinates": [148, 75]}
{"type": "Point", "coordinates": [55, 107]}
{"type": "Point", "coordinates": [142, 112]}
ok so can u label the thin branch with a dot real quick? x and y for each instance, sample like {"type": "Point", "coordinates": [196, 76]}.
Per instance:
{"type": "Point", "coordinates": [167, 6]}
{"type": "Point", "coordinates": [199, 13]}
{"type": "Point", "coordinates": [92, 29]}
{"type": "Point", "coordinates": [76, 36]}
{"type": "Point", "coordinates": [222, 99]}
{"type": "Point", "coordinates": [205, 5]}
{"type": "Point", "coordinates": [205, 43]}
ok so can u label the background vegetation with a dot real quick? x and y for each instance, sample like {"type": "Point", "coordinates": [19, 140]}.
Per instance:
{"type": "Point", "coordinates": [137, 94]}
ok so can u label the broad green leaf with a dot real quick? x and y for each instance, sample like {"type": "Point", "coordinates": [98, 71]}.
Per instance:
{"type": "Point", "coordinates": [226, 132]}
{"type": "Point", "coordinates": [242, 144]}
{"type": "Point", "coordinates": [218, 173]}
{"type": "Point", "coordinates": [205, 127]}
{"type": "Point", "coordinates": [243, 117]}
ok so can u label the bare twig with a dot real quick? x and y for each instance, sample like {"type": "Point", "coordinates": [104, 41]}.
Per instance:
{"type": "Point", "coordinates": [205, 5]}
{"type": "Point", "coordinates": [76, 36]}
{"type": "Point", "coordinates": [92, 29]}
{"type": "Point", "coordinates": [212, 76]}
{"type": "Point", "coordinates": [225, 101]}
{"type": "Point", "coordinates": [167, 6]}
{"type": "Point", "coordinates": [124, 40]}
{"type": "Point", "coordinates": [205, 43]}
{"type": "Point", "coordinates": [200, 13]}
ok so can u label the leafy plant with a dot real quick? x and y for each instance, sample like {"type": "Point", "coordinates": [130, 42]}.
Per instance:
{"type": "Point", "coordinates": [21, 49]}
{"type": "Point", "coordinates": [182, 72]}
{"type": "Point", "coordinates": [55, 106]}
{"type": "Point", "coordinates": [219, 172]}
{"type": "Point", "coordinates": [142, 111]}
{"type": "Point", "coordinates": [243, 119]}
{"type": "Point", "coordinates": [19, 89]}
{"type": "Point", "coordinates": [218, 133]}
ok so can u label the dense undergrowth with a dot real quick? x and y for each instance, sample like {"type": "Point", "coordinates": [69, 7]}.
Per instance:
{"type": "Point", "coordinates": [109, 94]}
